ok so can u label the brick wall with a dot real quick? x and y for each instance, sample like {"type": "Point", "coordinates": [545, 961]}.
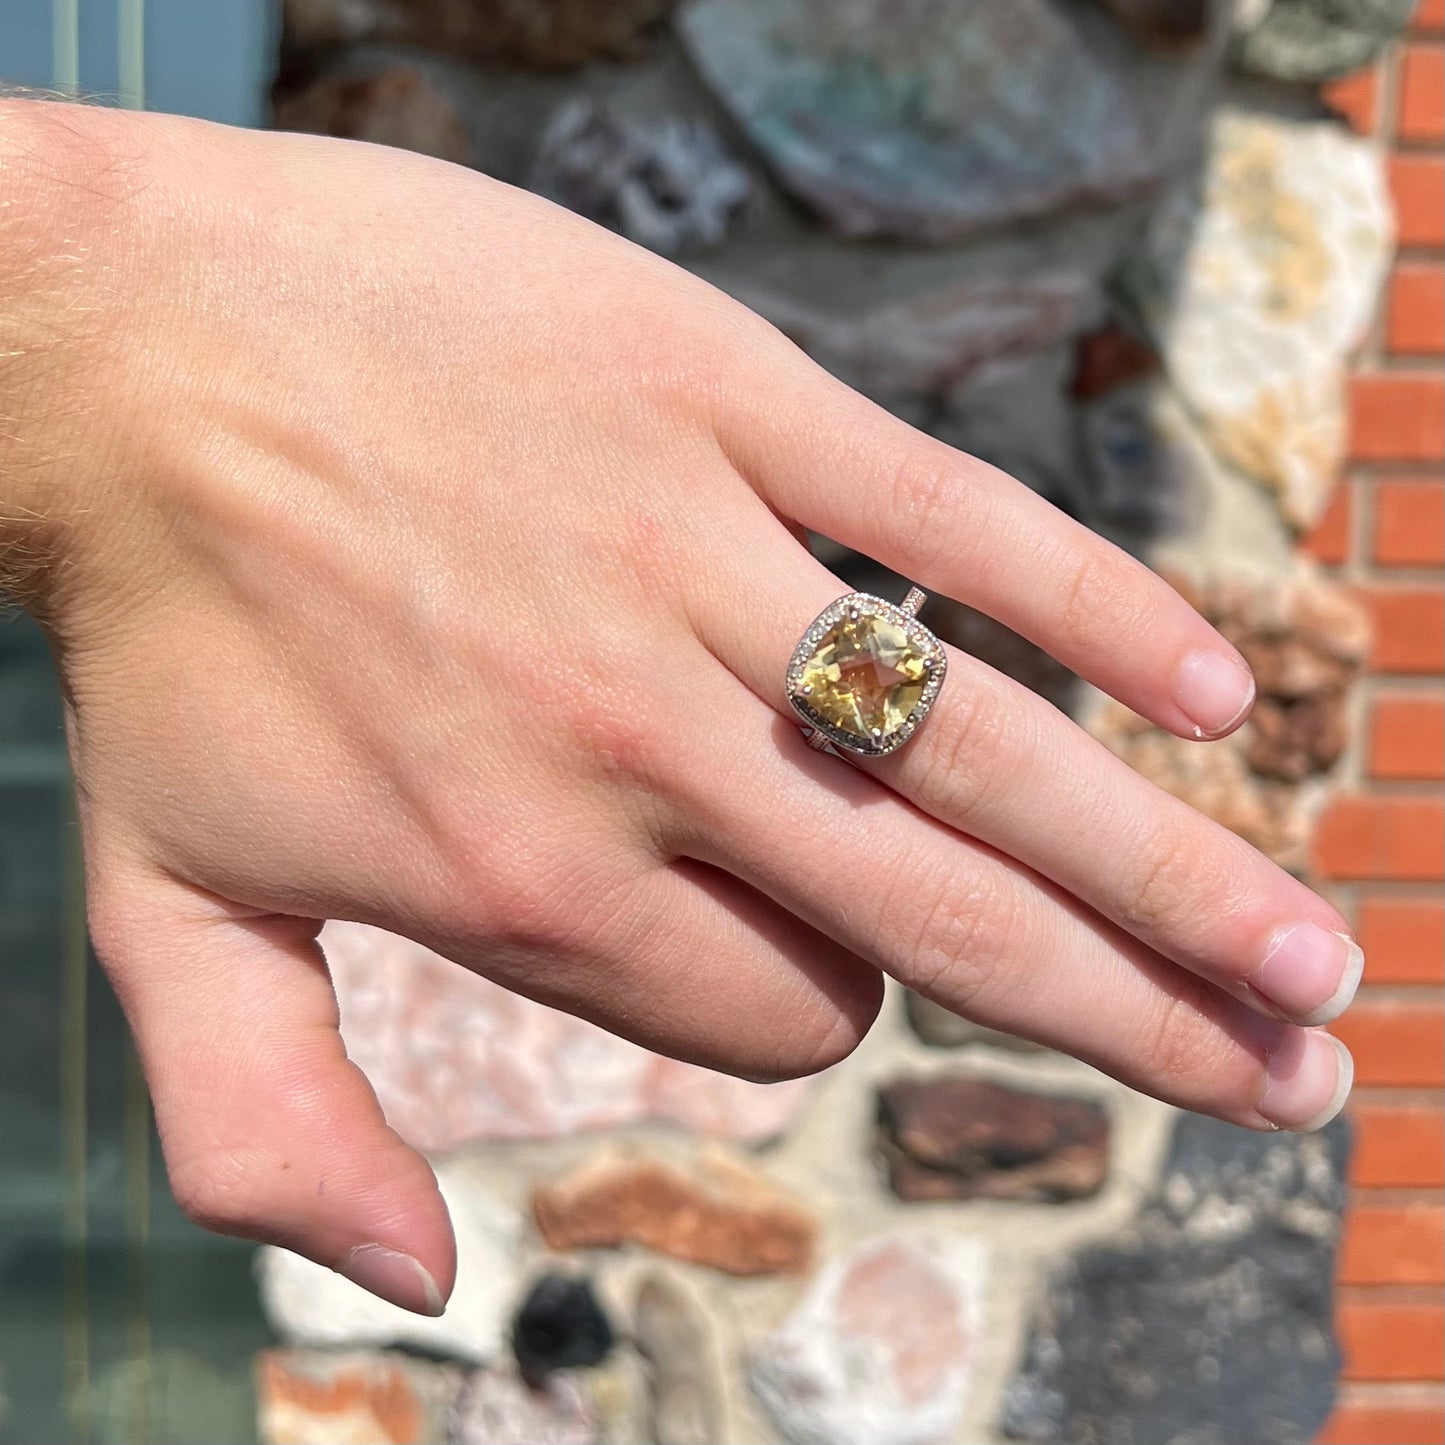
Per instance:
{"type": "Point", "coordinates": [1381, 845]}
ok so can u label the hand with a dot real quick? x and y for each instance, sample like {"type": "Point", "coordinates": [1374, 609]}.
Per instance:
{"type": "Point", "coordinates": [425, 556]}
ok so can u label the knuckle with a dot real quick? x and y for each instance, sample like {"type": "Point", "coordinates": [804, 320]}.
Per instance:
{"type": "Point", "coordinates": [558, 910]}
{"type": "Point", "coordinates": [1100, 598]}
{"type": "Point", "coordinates": [923, 506]}
{"type": "Point", "coordinates": [215, 1191]}
{"type": "Point", "coordinates": [1185, 1047]}
{"type": "Point", "coordinates": [542, 884]}
{"type": "Point", "coordinates": [971, 755]}
{"type": "Point", "coordinates": [1159, 895]}
{"type": "Point", "coordinates": [964, 939]}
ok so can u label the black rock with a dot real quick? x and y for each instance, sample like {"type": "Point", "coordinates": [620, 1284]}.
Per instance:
{"type": "Point", "coordinates": [1213, 1326]}
{"type": "Point", "coordinates": [559, 1326]}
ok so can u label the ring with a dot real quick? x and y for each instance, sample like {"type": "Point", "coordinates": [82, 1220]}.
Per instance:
{"type": "Point", "coordinates": [866, 674]}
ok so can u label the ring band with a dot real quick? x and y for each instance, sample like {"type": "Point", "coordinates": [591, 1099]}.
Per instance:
{"type": "Point", "coordinates": [865, 674]}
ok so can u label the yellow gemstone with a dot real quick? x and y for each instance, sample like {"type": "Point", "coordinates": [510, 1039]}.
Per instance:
{"type": "Point", "coordinates": [866, 676]}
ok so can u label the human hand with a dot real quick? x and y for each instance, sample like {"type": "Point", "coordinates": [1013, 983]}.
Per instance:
{"type": "Point", "coordinates": [419, 554]}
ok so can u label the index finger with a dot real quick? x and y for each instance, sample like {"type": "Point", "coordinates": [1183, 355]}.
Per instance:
{"type": "Point", "coordinates": [827, 458]}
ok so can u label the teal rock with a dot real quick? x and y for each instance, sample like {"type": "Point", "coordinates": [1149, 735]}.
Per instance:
{"type": "Point", "coordinates": [923, 122]}
{"type": "Point", "coordinates": [1315, 40]}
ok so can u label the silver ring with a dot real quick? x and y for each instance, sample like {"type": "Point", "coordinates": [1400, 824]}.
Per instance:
{"type": "Point", "coordinates": [865, 675]}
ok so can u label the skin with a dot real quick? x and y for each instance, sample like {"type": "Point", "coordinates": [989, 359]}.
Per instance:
{"type": "Point", "coordinates": [417, 553]}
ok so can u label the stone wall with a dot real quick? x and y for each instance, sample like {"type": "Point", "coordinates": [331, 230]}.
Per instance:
{"type": "Point", "coordinates": [1125, 249]}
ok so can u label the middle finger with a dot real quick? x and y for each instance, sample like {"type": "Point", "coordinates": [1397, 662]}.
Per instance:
{"type": "Point", "coordinates": [997, 762]}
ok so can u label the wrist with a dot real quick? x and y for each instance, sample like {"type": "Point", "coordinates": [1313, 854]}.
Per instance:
{"type": "Point", "coordinates": [61, 236]}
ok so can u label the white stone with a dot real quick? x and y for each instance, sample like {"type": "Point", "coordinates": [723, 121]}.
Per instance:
{"type": "Point", "coordinates": [309, 1304]}
{"type": "Point", "coordinates": [882, 1349]}
{"type": "Point", "coordinates": [1258, 292]}
{"type": "Point", "coordinates": [454, 1057]}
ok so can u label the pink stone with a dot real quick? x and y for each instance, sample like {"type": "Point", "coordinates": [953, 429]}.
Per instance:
{"type": "Point", "coordinates": [455, 1057]}
{"type": "Point", "coordinates": [882, 1349]}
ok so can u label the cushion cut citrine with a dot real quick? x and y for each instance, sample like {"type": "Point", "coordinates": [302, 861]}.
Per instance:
{"type": "Point", "coordinates": [866, 676]}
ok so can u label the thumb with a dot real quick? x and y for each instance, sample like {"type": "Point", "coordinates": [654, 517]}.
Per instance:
{"type": "Point", "coordinates": [269, 1131]}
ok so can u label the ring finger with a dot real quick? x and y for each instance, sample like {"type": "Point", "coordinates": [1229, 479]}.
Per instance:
{"type": "Point", "coordinates": [979, 933]}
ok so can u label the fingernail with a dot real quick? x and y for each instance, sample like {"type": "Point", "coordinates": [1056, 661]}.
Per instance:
{"type": "Point", "coordinates": [395, 1277]}
{"type": "Point", "coordinates": [1214, 690]}
{"type": "Point", "coordinates": [1309, 974]}
{"type": "Point", "coordinates": [1307, 1081]}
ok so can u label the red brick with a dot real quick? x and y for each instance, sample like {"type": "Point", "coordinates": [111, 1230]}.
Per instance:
{"type": "Point", "coordinates": [1422, 94]}
{"type": "Point", "coordinates": [1429, 16]}
{"type": "Point", "coordinates": [1384, 1425]}
{"type": "Point", "coordinates": [1410, 523]}
{"type": "Point", "coordinates": [1403, 1245]}
{"type": "Point", "coordinates": [1330, 541]}
{"type": "Point", "coordinates": [1396, 1045]}
{"type": "Point", "coordinates": [1384, 1341]}
{"type": "Point", "coordinates": [1409, 628]}
{"type": "Point", "coordinates": [1397, 1147]}
{"type": "Point", "coordinates": [1375, 837]}
{"type": "Point", "coordinates": [1418, 185]}
{"type": "Point", "coordinates": [1407, 738]}
{"type": "Point", "coordinates": [1415, 310]}
{"type": "Point", "coordinates": [1357, 99]}
{"type": "Point", "coordinates": [1403, 939]}
{"type": "Point", "coordinates": [1397, 417]}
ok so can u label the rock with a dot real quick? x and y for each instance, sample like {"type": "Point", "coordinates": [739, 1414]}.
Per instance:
{"type": "Point", "coordinates": [1306, 645]}
{"type": "Point", "coordinates": [543, 34]}
{"type": "Point", "coordinates": [1144, 479]}
{"type": "Point", "coordinates": [881, 1351]}
{"type": "Point", "coordinates": [953, 1137]}
{"type": "Point", "coordinates": [684, 1396]}
{"type": "Point", "coordinates": [941, 1028]}
{"type": "Point", "coordinates": [671, 187]}
{"type": "Point", "coordinates": [1168, 25]}
{"type": "Point", "coordinates": [935, 343]}
{"type": "Point", "coordinates": [1315, 40]}
{"type": "Point", "coordinates": [1235, 528]}
{"type": "Point", "coordinates": [1213, 1324]}
{"type": "Point", "coordinates": [925, 122]}
{"type": "Point", "coordinates": [495, 1407]}
{"type": "Point", "coordinates": [454, 1057]}
{"type": "Point", "coordinates": [308, 1304]}
{"type": "Point", "coordinates": [1301, 639]}
{"type": "Point", "coordinates": [1216, 781]}
{"type": "Point", "coordinates": [322, 1397]}
{"type": "Point", "coordinates": [560, 1326]}
{"type": "Point", "coordinates": [1110, 358]}
{"type": "Point", "coordinates": [1257, 290]}
{"type": "Point", "coordinates": [1016, 414]}
{"type": "Point", "coordinates": [393, 107]}
{"type": "Point", "coordinates": [720, 1212]}
{"type": "Point", "coordinates": [1306, 641]}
